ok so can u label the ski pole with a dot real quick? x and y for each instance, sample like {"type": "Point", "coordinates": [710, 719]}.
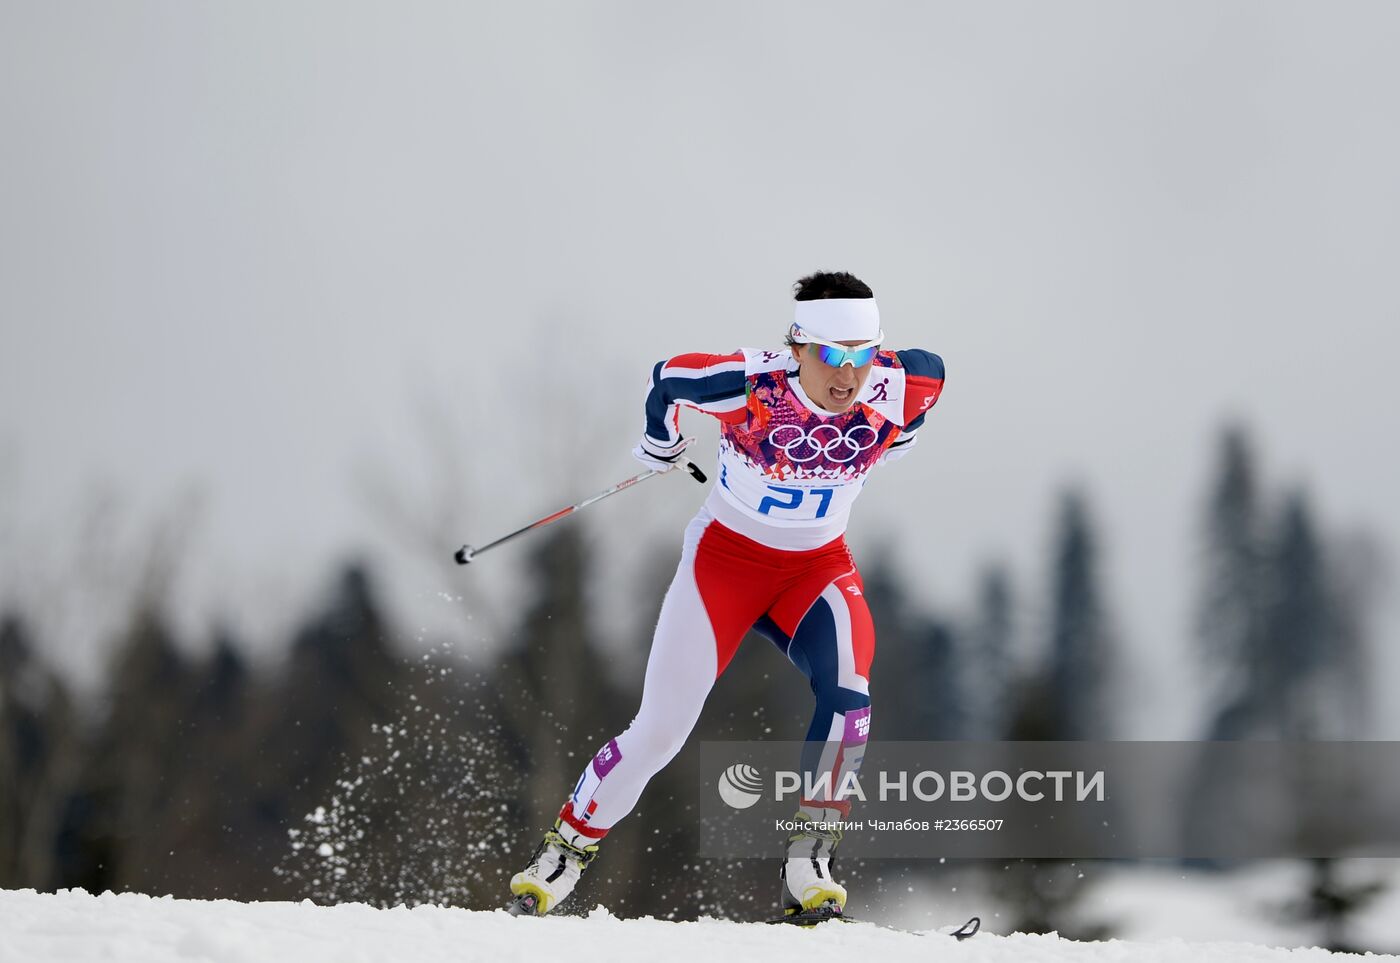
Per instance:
{"type": "Point", "coordinates": [466, 553]}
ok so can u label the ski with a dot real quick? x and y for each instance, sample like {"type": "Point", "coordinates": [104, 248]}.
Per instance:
{"type": "Point", "coordinates": [526, 905]}
{"type": "Point", "coordinates": [831, 912]}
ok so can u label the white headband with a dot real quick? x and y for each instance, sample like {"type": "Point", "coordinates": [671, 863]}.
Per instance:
{"type": "Point", "coordinates": [840, 319]}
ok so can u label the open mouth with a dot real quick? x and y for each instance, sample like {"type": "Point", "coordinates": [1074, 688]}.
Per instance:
{"type": "Point", "coordinates": [842, 396]}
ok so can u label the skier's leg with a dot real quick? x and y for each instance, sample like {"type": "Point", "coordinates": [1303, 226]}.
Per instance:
{"type": "Point", "coordinates": [681, 669]}
{"type": "Point", "coordinates": [680, 673]}
{"type": "Point", "coordinates": [713, 599]}
{"type": "Point", "coordinates": [833, 644]}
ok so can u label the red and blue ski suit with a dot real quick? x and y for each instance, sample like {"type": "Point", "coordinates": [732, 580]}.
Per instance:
{"type": "Point", "coordinates": [767, 551]}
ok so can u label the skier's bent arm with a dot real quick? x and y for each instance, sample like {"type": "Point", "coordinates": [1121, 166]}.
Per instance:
{"type": "Point", "coordinates": [712, 383]}
{"type": "Point", "coordinates": [923, 381]}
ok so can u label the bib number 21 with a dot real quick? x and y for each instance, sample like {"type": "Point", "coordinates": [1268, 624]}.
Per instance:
{"type": "Point", "coordinates": [793, 499]}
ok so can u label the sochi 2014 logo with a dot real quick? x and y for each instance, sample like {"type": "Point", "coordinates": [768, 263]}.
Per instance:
{"type": "Point", "coordinates": [740, 786]}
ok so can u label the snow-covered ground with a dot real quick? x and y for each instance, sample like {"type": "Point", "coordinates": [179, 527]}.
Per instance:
{"type": "Point", "coordinates": [1151, 902]}
{"type": "Point", "coordinates": [75, 926]}
{"type": "Point", "coordinates": [1145, 902]}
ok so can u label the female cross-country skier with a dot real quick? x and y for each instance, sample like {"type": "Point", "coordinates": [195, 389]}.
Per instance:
{"type": "Point", "coordinates": [800, 429]}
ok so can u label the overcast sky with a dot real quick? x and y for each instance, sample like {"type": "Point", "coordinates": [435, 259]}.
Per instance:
{"type": "Point", "coordinates": [262, 260]}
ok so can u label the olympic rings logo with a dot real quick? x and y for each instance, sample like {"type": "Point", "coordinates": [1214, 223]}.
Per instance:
{"type": "Point", "coordinates": [822, 440]}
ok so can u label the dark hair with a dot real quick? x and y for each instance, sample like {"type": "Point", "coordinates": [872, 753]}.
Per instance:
{"type": "Point", "coordinates": [831, 284]}
{"type": "Point", "coordinates": [828, 284]}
